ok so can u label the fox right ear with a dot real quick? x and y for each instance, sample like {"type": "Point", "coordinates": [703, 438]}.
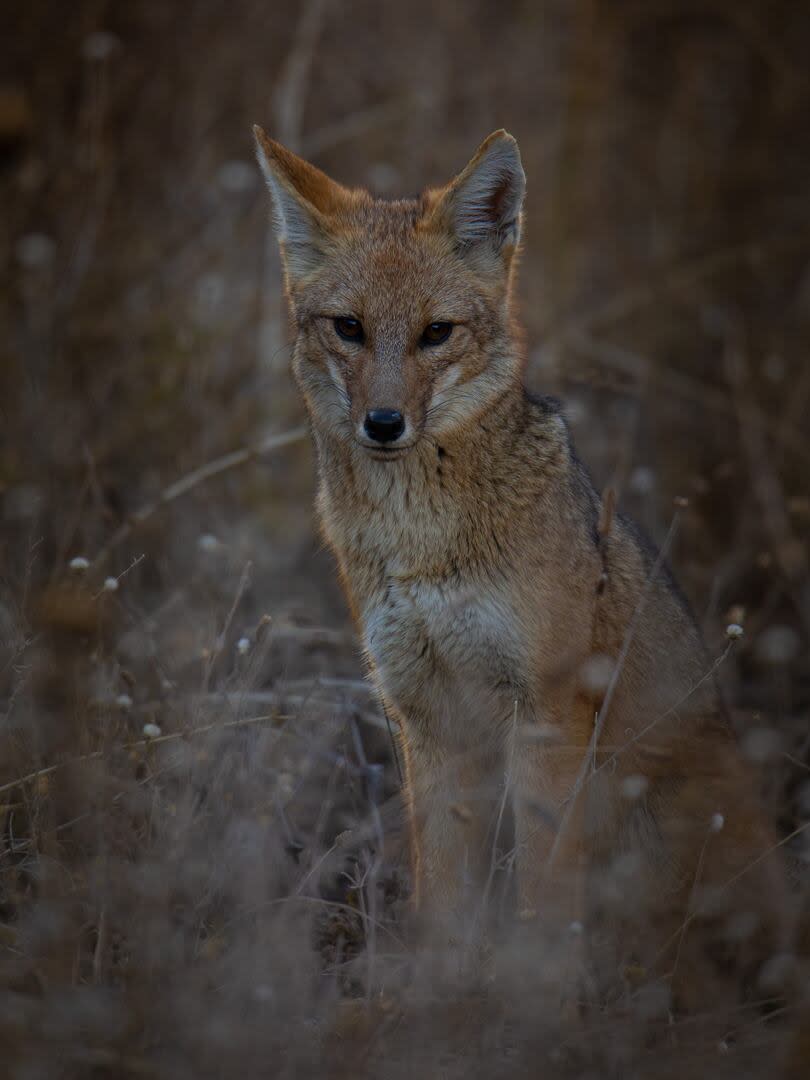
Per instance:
{"type": "Point", "coordinates": [304, 199]}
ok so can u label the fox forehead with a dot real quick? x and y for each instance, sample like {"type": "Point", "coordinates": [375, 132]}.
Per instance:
{"type": "Point", "coordinates": [383, 263]}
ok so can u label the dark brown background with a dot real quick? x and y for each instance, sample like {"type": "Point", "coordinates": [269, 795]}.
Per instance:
{"type": "Point", "coordinates": [665, 286]}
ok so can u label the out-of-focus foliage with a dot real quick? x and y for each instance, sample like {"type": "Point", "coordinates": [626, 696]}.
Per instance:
{"type": "Point", "coordinates": [167, 906]}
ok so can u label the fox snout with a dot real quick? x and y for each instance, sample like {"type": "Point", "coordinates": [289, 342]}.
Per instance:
{"type": "Point", "coordinates": [384, 425]}
{"type": "Point", "coordinates": [385, 398]}
{"type": "Point", "coordinates": [385, 433]}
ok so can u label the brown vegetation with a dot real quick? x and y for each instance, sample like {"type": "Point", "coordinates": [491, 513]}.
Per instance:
{"type": "Point", "coordinates": [185, 737]}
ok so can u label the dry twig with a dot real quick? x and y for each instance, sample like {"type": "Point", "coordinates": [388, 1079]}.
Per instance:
{"type": "Point", "coordinates": [191, 480]}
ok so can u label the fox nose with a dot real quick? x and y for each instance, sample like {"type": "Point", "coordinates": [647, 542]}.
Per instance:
{"type": "Point", "coordinates": [384, 425]}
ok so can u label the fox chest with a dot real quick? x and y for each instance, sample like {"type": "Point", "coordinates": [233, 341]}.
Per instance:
{"type": "Point", "coordinates": [446, 654]}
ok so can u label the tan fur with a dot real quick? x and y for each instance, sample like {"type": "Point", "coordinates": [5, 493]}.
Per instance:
{"type": "Point", "coordinates": [487, 593]}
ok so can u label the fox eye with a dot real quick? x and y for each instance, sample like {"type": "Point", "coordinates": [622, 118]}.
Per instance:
{"type": "Point", "coordinates": [348, 328]}
{"type": "Point", "coordinates": [436, 332]}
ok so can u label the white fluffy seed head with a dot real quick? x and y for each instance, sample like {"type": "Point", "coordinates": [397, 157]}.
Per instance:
{"type": "Point", "coordinates": [110, 584]}
{"type": "Point", "coordinates": [151, 731]}
{"type": "Point", "coordinates": [633, 787]}
{"type": "Point", "coordinates": [596, 672]}
{"type": "Point", "coordinates": [734, 631]}
{"type": "Point", "coordinates": [35, 251]}
{"type": "Point", "coordinates": [79, 562]}
{"type": "Point", "coordinates": [762, 744]}
{"type": "Point", "coordinates": [778, 645]}
{"type": "Point", "coordinates": [717, 822]}
{"type": "Point", "coordinates": [236, 177]}
{"type": "Point", "coordinates": [100, 45]}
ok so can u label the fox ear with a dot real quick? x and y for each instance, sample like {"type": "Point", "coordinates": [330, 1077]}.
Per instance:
{"type": "Point", "coordinates": [304, 200]}
{"type": "Point", "coordinates": [484, 201]}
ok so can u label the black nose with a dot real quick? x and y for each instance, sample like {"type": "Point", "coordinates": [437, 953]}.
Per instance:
{"type": "Point", "coordinates": [384, 425]}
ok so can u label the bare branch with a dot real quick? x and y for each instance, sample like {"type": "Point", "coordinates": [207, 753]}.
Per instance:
{"type": "Point", "coordinates": [187, 483]}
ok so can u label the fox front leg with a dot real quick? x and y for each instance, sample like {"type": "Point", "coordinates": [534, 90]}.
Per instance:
{"type": "Point", "coordinates": [450, 797]}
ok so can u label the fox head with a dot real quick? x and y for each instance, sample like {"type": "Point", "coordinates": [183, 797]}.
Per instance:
{"type": "Point", "coordinates": [402, 308]}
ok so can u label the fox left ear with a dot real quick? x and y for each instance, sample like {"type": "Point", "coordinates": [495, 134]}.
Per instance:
{"type": "Point", "coordinates": [484, 201]}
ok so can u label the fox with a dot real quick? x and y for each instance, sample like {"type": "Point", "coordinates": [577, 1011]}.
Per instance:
{"type": "Point", "coordinates": [535, 656]}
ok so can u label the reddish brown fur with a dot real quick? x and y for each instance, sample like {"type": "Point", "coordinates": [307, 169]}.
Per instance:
{"type": "Point", "coordinates": [481, 583]}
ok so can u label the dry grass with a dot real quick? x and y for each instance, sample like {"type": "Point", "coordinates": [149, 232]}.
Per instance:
{"type": "Point", "coordinates": [183, 751]}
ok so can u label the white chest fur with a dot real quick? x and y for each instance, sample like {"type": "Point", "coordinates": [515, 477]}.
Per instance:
{"type": "Point", "coordinates": [444, 653]}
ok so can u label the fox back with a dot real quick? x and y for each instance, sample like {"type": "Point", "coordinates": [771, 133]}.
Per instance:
{"type": "Point", "coordinates": [531, 647]}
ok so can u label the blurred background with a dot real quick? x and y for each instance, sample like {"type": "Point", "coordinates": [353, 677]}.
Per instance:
{"type": "Point", "coordinates": [184, 731]}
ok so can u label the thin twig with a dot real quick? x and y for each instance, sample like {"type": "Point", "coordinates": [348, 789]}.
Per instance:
{"type": "Point", "coordinates": [633, 626]}
{"type": "Point", "coordinates": [138, 559]}
{"type": "Point", "coordinates": [289, 100]}
{"type": "Point", "coordinates": [349, 127]}
{"type": "Point", "coordinates": [507, 788]}
{"type": "Point", "coordinates": [393, 742]}
{"type": "Point", "coordinates": [322, 902]}
{"type": "Point", "coordinates": [736, 877]}
{"type": "Point", "coordinates": [690, 901]}
{"type": "Point", "coordinates": [244, 578]}
{"type": "Point", "coordinates": [236, 699]}
{"type": "Point", "coordinates": [101, 945]}
{"type": "Point", "coordinates": [187, 483]}
{"type": "Point", "coordinates": [291, 92]}
{"type": "Point", "coordinates": [788, 550]}
{"type": "Point", "coordinates": [672, 279]}
{"type": "Point", "coordinates": [669, 712]}
{"type": "Point", "coordinates": [138, 743]}
{"type": "Point", "coordinates": [785, 432]}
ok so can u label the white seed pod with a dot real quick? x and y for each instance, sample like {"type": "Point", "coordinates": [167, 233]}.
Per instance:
{"type": "Point", "coordinates": [236, 177]}
{"type": "Point", "coordinates": [762, 744]}
{"type": "Point", "coordinates": [596, 672]}
{"type": "Point", "coordinates": [35, 251]}
{"type": "Point", "coordinates": [100, 45]}
{"type": "Point", "coordinates": [633, 787]}
{"type": "Point", "coordinates": [778, 645]}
